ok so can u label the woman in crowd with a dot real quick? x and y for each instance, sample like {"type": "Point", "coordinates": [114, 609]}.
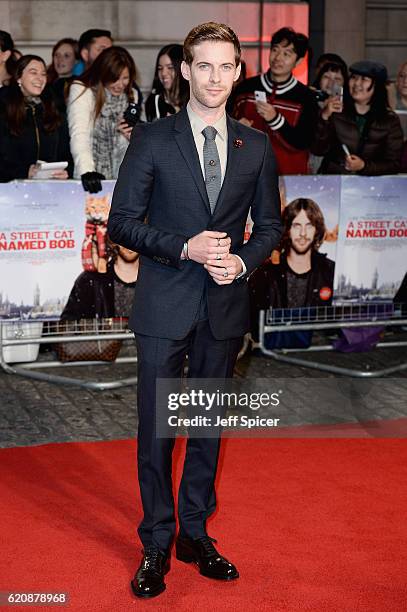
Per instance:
{"type": "Point", "coordinates": [64, 56]}
{"type": "Point", "coordinates": [96, 104]}
{"type": "Point", "coordinates": [7, 59]}
{"type": "Point", "coordinates": [31, 128]}
{"type": "Point", "coordinates": [331, 80]}
{"type": "Point", "coordinates": [331, 77]}
{"type": "Point", "coordinates": [360, 135]}
{"type": "Point", "coordinates": [170, 91]}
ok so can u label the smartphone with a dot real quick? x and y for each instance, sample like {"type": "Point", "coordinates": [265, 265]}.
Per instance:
{"type": "Point", "coordinates": [260, 96]}
{"type": "Point", "coordinates": [337, 91]}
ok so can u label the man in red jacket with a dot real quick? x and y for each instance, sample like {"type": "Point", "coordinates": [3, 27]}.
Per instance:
{"type": "Point", "coordinates": [279, 105]}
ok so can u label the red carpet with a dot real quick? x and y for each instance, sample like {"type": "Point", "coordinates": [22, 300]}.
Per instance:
{"type": "Point", "coordinates": [313, 525]}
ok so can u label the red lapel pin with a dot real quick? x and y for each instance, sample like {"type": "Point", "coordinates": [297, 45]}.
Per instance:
{"type": "Point", "coordinates": [237, 143]}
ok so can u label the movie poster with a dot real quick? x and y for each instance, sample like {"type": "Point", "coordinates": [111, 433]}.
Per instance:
{"type": "Point", "coordinates": [324, 191]}
{"type": "Point", "coordinates": [45, 229]}
{"type": "Point", "coordinates": [300, 272]}
{"type": "Point", "coordinates": [48, 233]}
{"type": "Point", "coordinates": [372, 243]}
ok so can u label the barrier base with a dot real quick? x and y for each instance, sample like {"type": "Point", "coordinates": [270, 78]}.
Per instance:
{"type": "Point", "coordinates": [384, 314]}
{"type": "Point", "coordinates": [31, 335]}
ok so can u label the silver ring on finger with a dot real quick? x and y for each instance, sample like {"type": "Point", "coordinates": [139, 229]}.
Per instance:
{"type": "Point", "coordinates": [218, 256]}
{"type": "Point", "coordinates": [226, 273]}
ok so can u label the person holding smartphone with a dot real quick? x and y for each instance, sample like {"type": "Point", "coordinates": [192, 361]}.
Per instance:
{"type": "Point", "coordinates": [360, 134]}
{"type": "Point", "coordinates": [331, 80]}
{"type": "Point", "coordinates": [277, 104]}
{"type": "Point", "coordinates": [99, 105]}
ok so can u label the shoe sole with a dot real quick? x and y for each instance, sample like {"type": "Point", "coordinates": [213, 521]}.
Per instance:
{"type": "Point", "coordinates": [186, 559]}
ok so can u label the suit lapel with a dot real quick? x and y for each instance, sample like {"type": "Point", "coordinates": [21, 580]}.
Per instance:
{"type": "Point", "coordinates": [186, 144]}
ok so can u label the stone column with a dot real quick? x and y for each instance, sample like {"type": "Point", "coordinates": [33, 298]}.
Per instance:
{"type": "Point", "coordinates": [345, 24]}
{"type": "Point", "coordinates": [5, 15]}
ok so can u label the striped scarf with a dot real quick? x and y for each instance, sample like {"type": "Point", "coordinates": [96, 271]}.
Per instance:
{"type": "Point", "coordinates": [109, 145]}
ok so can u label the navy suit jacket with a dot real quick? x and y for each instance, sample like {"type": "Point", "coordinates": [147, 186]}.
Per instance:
{"type": "Point", "coordinates": [160, 201]}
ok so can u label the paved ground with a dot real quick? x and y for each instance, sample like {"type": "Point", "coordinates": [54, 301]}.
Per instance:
{"type": "Point", "coordinates": [34, 412]}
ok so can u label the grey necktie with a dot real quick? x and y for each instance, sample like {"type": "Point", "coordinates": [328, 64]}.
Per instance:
{"type": "Point", "coordinates": [213, 173]}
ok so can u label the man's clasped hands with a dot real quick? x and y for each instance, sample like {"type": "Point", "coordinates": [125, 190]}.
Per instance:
{"type": "Point", "coordinates": [212, 249]}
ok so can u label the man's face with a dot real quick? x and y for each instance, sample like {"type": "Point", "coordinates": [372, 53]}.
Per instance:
{"type": "Point", "coordinates": [283, 60]}
{"type": "Point", "coordinates": [302, 233]}
{"type": "Point", "coordinates": [211, 74]}
{"type": "Point", "coordinates": [96, 47]}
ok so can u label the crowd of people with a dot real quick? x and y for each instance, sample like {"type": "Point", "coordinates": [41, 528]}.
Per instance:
{"type": "Point", "coordinates": [82, 108]}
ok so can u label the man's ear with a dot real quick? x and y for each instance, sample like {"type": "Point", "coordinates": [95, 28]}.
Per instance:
{"type": "Point", "coordinates": [85, 55]}
{"type": "Point", "coordinates": [238, 71]}
{"type": "Point", "coordinates": [186, 71]}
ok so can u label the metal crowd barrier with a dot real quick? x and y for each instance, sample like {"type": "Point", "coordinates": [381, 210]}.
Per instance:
{"type": "Point", "coordinates": [32, 333]}
{"type": "Point", "coordinates": [366, 314]}
{"type": "Point", "coordinates": [29, 333]}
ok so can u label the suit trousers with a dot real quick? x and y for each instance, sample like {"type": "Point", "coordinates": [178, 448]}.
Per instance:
{"type": "Point", "coordinates": [165, 358]}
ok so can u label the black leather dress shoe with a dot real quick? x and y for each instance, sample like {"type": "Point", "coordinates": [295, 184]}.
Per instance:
{"type": "Point", "coordinates": [149, 578]}
{"type": "Point", "coordinates": [202, 552]}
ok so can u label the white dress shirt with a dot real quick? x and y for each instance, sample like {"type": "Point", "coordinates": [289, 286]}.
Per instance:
{"type": "Point", "coordinates": [221, 140]}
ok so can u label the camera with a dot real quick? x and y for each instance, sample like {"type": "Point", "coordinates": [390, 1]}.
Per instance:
{"type": "Point", "coordinates": [132, 114]}
{"type": "Point", "coordinates": [321, 96]}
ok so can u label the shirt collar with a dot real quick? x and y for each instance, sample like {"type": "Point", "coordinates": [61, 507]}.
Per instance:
{"type": "Point", "coordinates": [277, 87]}
{"type": "Point", "coordinates": [198, 124]}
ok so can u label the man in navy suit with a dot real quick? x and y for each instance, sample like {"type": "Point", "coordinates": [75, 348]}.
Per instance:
{"type": "Point", "coordinates": [182, 198]}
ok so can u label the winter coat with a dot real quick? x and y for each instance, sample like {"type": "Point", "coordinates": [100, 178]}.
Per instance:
{"type": "Point", "coordinates": [380, 144]}
{"type": "Point", "coordinates": [17, 153]}
{"type": "Point", "coordinates": [156, 107]}
{"type": "Point", "coordinates": [81, 120]}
